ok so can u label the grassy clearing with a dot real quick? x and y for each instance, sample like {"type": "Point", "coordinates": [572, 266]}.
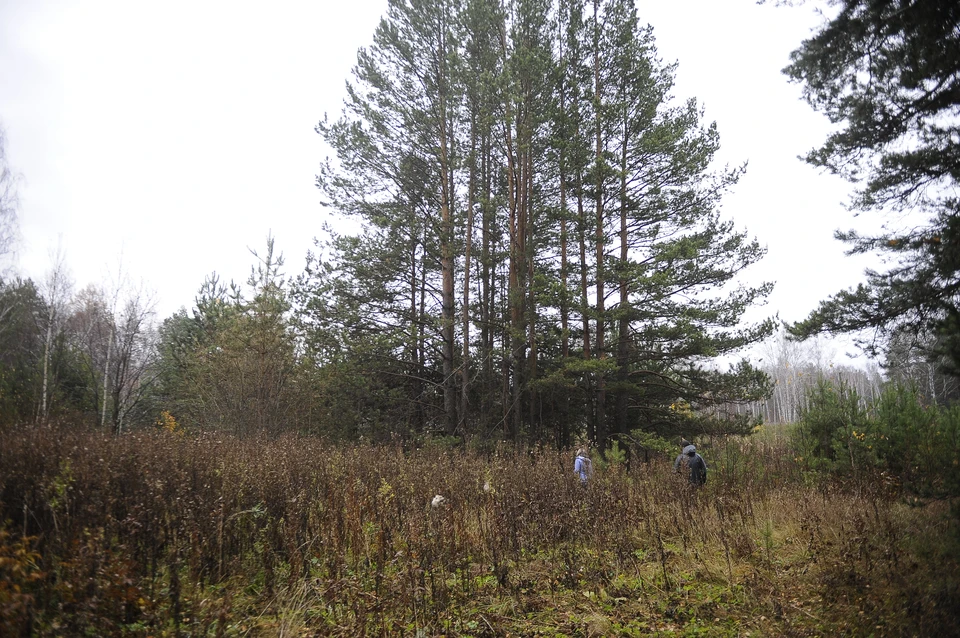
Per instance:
{"type": "Point", "coordinates": [156, 534]}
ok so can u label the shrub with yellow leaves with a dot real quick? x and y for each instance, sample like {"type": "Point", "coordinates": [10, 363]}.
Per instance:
{"type": "Point", "coordinates": [168, 423]}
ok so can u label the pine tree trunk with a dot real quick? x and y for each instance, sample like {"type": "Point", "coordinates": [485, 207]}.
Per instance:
{"type": "Point", "coordinates": [447, 302]}
{"type": "Point", "coordinates": [468, 245]}
{"type": "Point", "coordinates": [563, 427]}
{"type": "Point", "coordinates": [415, 337]}
{"type": "Point", "coordinates": [422, 337]}
{"type": "Point", "coordinates": [487, 288]}
{"type": "Point", "coordinates": [514, 293]}
{"type": "Point", "coordinates": [623, 327]}
{"type": "Point", "coordinates": [531, 313]}
{"type": "Point", "coordinates": [601, 428]}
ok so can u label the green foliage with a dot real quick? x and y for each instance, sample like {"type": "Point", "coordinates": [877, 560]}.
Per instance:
{"type": "Point", "coordinates": [613, 457]}
{"type": "Point", "coordinates": [540, 256]}
{"type": "Point", "coordinates": [442, 443]}
{"type": "Point", "coordinates": [887, 74]}
{"type": "Point", "coordinates": [20, 348]}
{"type": "Point", "coordinates": [229, 365]}
{"type": "Point", "coordinates": [650, 442]}
{"type": "Point", "coordinates": [906, 432]}
{"type": "Point", "coordinates": [916, 443]}
{"type": "Point", "coordinates": [22, 344]}
{"type": "Point", "coordinates": [528, 140]}
{"type": "Point", "coordinates": [833, 418]}
{"type": "Point", "coordinates": [886, 71]}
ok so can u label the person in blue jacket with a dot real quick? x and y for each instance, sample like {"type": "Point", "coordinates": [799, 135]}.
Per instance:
{"type": "Point", "coordinates": [582, 466]}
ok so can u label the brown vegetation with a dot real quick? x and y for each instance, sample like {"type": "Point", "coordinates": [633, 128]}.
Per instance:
{"type": "Point", "coordinates": [155, 534]}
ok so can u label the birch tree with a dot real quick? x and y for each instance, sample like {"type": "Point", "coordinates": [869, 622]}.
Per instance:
{"type": "Point", "coordinates": [9, 203]}
{"type": "Point", "coordinates": [57, 293]}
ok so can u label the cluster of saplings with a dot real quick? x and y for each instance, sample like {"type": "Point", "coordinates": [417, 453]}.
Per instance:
{"type": "Point", "coordinates": [899, 434]}
{"type": "Point", "coordinates": [166, 532]}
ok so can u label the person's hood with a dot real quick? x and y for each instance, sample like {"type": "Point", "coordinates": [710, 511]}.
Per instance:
{"type": "Point", "coordinates": [690, 450]}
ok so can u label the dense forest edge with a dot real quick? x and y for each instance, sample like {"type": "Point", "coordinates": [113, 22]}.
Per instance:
{"type": "Point", "coordinates": [846, 524]}
{"type": "Point", "coordinates": [528, 254]}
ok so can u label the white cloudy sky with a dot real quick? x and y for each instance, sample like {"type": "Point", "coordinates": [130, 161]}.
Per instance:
{"type": "Point", "coordinates": [173, 136]}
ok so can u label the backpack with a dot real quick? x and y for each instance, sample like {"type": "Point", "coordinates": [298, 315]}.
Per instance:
{"type": "Point", "coordinates": [698, 470]}
{"type": "Point", "coordinates": [586, 467]}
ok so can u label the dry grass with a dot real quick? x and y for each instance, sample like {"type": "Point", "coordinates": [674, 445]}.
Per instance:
{"type": "Point", "coordinates": [155, 534]}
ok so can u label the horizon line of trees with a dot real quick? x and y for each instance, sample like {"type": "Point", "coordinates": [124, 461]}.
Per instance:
{"type": "Point", "coordinates": [235, 363]}
{"type": "Point", "coordinates": [540, 257]}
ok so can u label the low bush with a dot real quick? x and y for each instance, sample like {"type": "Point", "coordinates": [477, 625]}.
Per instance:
{"type": "Point", "coordinates": [895, 439]}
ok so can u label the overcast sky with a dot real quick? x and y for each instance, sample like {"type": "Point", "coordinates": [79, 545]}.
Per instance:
{"type": "Point", "coordinates": [171, 137]}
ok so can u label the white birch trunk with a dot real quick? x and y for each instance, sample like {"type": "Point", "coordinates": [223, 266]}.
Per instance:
{"type": "Point", "coordinates": [106, 380]}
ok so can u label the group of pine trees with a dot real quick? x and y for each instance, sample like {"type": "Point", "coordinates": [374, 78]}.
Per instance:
{"type": "Point", "coordinates": [538, 255]}
{"type": "Point", "coordinates": [541, 251]}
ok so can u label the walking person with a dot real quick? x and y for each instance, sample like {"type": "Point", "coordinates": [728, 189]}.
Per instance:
{"type": "Point", "coordinates": [694, 463]}
{"type": "Point", "coordinates": [583, 466]}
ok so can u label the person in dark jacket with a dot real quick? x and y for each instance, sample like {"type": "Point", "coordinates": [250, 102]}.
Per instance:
{"type": "Point", "coordinates": [694, 463]}
{"type": "Point", "coordinates": [697, 466]}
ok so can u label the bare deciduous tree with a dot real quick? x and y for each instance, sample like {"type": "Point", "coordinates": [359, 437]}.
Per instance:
{"type": "Point", "coordinates": [57, 291]}
{"type": "Point", "coordinates": [8, 220]}
{"type": "Point", "coordinates": [795, 368]}
{"type": "Point", "coordinates": [133, 371]}
{"type": "Point", "coordinates": [9, 204]}
{"type": "Point", "coordinates": [117, 337]}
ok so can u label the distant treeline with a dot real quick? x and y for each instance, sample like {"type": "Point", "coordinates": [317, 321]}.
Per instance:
{"type": "Point", "coordinates": [240, 362]}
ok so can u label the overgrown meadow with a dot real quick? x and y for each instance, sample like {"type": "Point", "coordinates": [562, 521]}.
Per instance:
{"type": "Point", "coordinates": [160, 534]}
